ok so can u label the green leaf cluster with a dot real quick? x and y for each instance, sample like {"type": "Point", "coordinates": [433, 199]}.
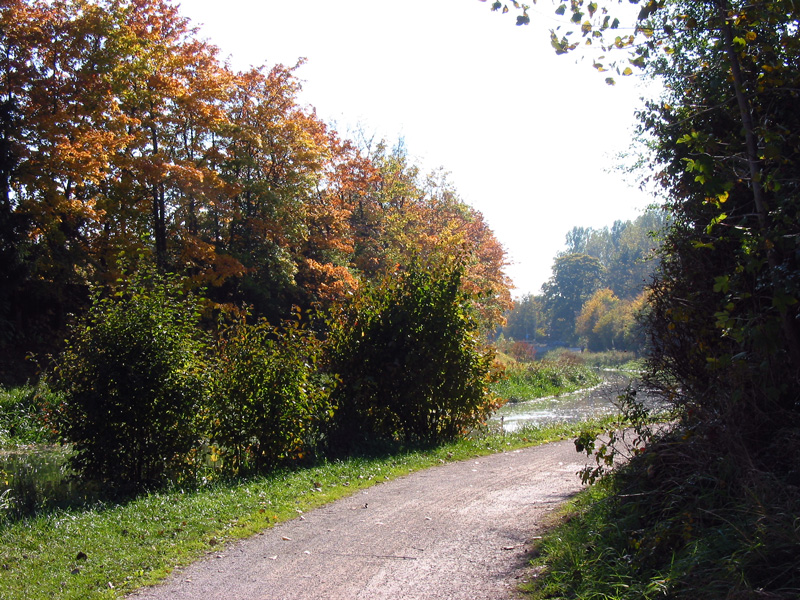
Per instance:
{"type": "Point", "coordinates": [131, 380]}
{"type": "Point", "coordinates": [267, 397]}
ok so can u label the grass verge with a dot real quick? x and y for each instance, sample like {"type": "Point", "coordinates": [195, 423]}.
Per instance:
{"type": "Point", "coordinates": [661, 527]}
{"type": "Point", "coordinates": [527, 381]}
{"type": "Point", "coordinates": [110, 549]}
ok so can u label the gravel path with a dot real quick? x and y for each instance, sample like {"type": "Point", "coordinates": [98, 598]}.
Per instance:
{"type": "Point", "coordinates": [451, 532]}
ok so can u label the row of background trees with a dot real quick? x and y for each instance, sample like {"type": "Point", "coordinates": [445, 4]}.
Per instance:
{"type": "Point", "coordinates": [178, 222]}
{"type": "Point", "coordinates": [218, 274]}
{"type": "Point", "coordinates": [596, 292]}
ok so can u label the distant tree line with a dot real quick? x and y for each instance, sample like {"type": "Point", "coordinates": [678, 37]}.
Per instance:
{"type": "Point", "coordinates": [596, 290]}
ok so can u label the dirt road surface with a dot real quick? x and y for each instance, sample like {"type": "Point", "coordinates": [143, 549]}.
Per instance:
{"type": "Point", "coordinates": [457, 531]}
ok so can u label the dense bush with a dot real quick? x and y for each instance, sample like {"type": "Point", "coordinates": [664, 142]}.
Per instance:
{"type": "Point", "coordinates": [411, 361]}
{"type": "Point", "coordinates": [145, 398]}
{"type": "Point", "coordinates": [520, 351]}
{"type": "Point", "coordinates": [662, 528]}
{"type": "Point", "coordinates": [131, 384]}
{"type": "Point", "coordinates": [267, 397]}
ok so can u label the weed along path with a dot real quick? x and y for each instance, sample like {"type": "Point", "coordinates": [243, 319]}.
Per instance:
{"type": "Point", "coordinates": [454, 531]}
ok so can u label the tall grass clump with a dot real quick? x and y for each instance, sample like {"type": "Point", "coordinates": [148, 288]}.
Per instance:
{"type": "Point", "coordinates": [525, 381]}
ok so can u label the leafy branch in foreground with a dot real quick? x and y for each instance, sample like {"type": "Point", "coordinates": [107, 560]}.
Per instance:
{"type": "Point", "coordinates": [636, 428]}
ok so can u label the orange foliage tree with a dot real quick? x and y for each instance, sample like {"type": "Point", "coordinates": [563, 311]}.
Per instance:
{"type": "Point", "coordinates": [124, 138]}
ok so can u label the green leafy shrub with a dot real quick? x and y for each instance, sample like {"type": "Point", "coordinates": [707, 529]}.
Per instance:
{"type": "Point", "coordinates": [411, 361]}
{"type": "Point", "coordinates": [24, 415]}
{"type": "Point", "coordinates": [131, 384]}
{"type": "Point", "coordinates": [267, 395]}
{"type": "Point", "coordinates": [659, 528]}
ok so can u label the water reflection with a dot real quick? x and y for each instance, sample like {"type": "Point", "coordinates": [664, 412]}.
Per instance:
{"type": "Point", "coordinates": [566, 408]}
{"type": "Point", "coordinates": [34, 478]}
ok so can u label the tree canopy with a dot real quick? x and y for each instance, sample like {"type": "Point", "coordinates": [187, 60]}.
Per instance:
{"type": "Point", "coordinates": [626, 250]}
{"type": "Point", "coordinates": [125, 139]}
{"type": "Point", "coordinates": [723, 137]}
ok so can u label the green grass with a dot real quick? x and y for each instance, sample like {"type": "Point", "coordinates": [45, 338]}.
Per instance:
{"type": "Point", "coordinates": [610, 359]}
{"type": "Point", "coordinates": [526, 381]}
{"type": "Point", "coordinates": [112, 548]}
{"type": "Point", "coordinates": [579, 557]}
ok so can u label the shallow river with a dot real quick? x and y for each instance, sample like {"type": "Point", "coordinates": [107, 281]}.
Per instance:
{"type": "Point", "coordinates": [565, 408]}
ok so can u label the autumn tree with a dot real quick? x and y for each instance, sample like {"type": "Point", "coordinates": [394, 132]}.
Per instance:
{"type": "Point", "coordinates": [124, 140]}
{"type": "Point", "coordinates": [56, 108]}
{"type": "Point", "coordinates": [123, 135]}
{"type": "Point", "coordinates": [526, 319]}
{"type": "Point", "coordinates": [332, 262]}
{"type": "Point", "coordinates": [607, 322]}
{"type": "Point", "coordinates": [424, 219]}
{"type": "Point", "coordinates": [171, 90]}
{"type": "Point", "coordinates": [109, 106]}
{"type": "Point", "coordinates": [274, 155]}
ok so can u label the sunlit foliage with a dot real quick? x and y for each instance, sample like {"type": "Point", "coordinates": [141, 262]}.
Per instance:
{"type": "Point", "coordinates": [123, 134]}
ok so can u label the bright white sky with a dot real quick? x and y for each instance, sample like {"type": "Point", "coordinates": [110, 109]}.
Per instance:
{"type": "Point", "coordinates": [528, 136]}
